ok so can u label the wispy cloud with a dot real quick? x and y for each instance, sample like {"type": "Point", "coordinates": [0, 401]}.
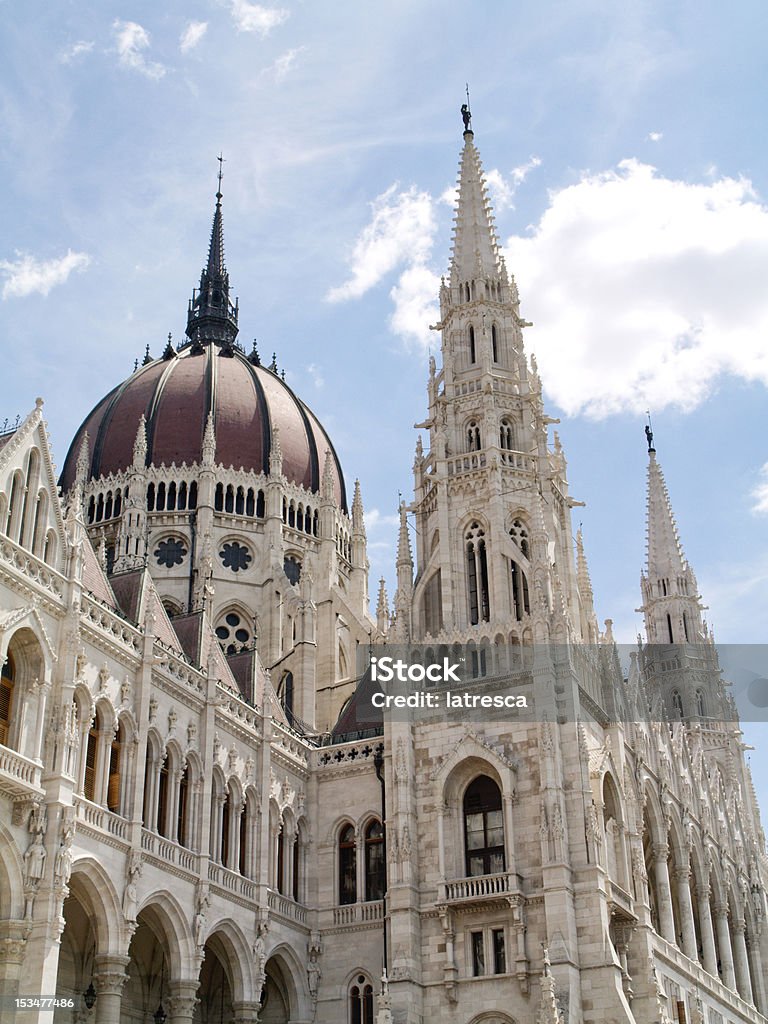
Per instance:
{"type": "Point", "coordinates": [82, 46]}
{"type": "Point", "coordinates": [316, 374]}
{"type": "Point", "coordinates": [131, 40]}
{"type": "Point", "coordinates": [250, 17]}
{"type": "Point", "coordinates": [503, 188]}
{"type": "Point", "coordinates": [284, 63]}
{"type": "Point", "coordinates": [655, 136]}
{"type": "Point", "coordinates": [26, 275]}
{"type": "Point", "coordinates": [760, 492]}
{"type": "Point", "coordinates": [192, 35]}
{"type": "Point", "coordinates": [665, 294]}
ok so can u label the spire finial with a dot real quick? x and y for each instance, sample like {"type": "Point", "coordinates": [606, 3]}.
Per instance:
{"type": "Point", "coordinates": [649, 432]}
{"type": "Point", "coordinates": [220, 158]}
{"type": "Point", "coordinates": [466, 115]}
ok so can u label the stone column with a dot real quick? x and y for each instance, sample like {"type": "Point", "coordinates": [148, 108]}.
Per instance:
{"type": "Point", "coordinates": [109, 978]}
{"type": "Point", "coordinates": [663, 892]}
{"type": "Point", "coordinates": [740, 961]}
{"type": "Point", "coordinates": [724, 945]}
{"type": "Point", "coordinates": [757, 969]}
{"type": "Point", "coordinates": [709, 953]}
{"type": "Point", "coordinates": [682, 880]}
{"type": "Point", "coordinates": [13, 939]}
{"type": "Point", "coordinates": [182, 1001]}
{"type": "Point", "coordinates": [245, 1013]}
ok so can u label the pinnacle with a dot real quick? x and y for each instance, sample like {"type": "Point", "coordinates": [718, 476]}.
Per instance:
{"type": "Point", "coordinates": [475, 245]}
{"type": "Point", "coordinates": [665, 553]}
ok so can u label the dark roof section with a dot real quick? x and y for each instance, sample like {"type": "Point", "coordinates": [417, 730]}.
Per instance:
{"type": "Point", "coordinates": [359, 719]}
{"type": "Point", "coordinates": [175, 396]}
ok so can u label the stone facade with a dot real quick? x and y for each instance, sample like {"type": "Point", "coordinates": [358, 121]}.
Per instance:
{"type": "Point", "coordinates": [190, 824]}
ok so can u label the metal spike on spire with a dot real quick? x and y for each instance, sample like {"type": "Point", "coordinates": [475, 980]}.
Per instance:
{"type": "Point", "coordinates": [216, 248]}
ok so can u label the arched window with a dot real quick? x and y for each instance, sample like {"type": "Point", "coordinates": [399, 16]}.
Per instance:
{"type": "Point", "coordinates": [218, 500]}
{"type": "Point", "coordinates": [494, 343]}
{"type": "Point", "coordinates": [109, 505]}
{"type": "Point", "coordinates": [193, 495]}
{"type": "Point", "coordinates": [182, 502]}
{"type": "Point", "coordinates": [162, 799]}
{"type": "Point", "coordinates": [477, 575]}
{"type": "Point", "coordinates": [91, 751]}
{"type": "Point", "coordinates": [171, 497]}
{"type": "Point", "coordinates": [292, 569]}
{"type": "Point", "coordinates": [240, 501]}
{"type": "Point", "coordinates": [483, 828]}
{"type": "Point", "coordinates": [295, 867]}
{"type": "Point", "coordinates": [507, 435]}
{"type": "Point", "coordinates": [677, 703]}
{"type": "Point", "coordinates": [160, 503]}
{"type": "Point", "coordinates": [150, 502]}
{"type": "Point", "coordinates": [374, 861]}
{"type": "Point", "coordinates": [281, 860]}
{"type": "Point", "coordinates": [7, 682]}
{"type": "Point", "coordinates": [361, 1002]}
{"type": "Point", "coordinates": [182, 836]}
{"type": "Point", "coordinates": [347, 865]}
{"type": "Point", "coordinates": [249, 503]}
{"type": "Point", "coordinates": [473, 436]}
{"type": "Point", "coordinates": [229, 499]}
{"type": "Point", "coordinates": [519, 534]}
{"type": "Point", "coordinates": [224, 858]}
{"type": "Point", "coordinates": [242, 861]}
{"type": "Point", "coordinates": [472, 351]}
{"type": "Point", "coordinates": [700, 705]}
{"type": "Point", "coordinates": [115, 767]}
{"type": "Point", "coordinates": [521, 603]}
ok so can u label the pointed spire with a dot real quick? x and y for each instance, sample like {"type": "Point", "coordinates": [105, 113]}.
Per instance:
{"type": "Point", "coordinates": [475, 255]}
{"type": "Point", "coordinates": [212, 317]}
{"type": "Point", "coordinates": [81, 473]}
{"type": "Point", "coordinates": [549, 1012]}
{"type": "Point", "coordinates": [328, 481]}
{"type": "Point", "coordinates": [147, 357]}
{"type": "Point", "coordinates": [382, 608]}
{"type": "Point", "coordinates": [665, 553]}
{"type": "Point", "coordinates": [209, 442]}
{"type": "Point", "coordinates": [168, 351]}
{"type": "Point", "coordinates": [358, 520]}
{"type": "Point", "coordinates": [582, 571]}
{"type": "Point", "coordinates": [404, 553]}
{"type": "Point", "coordinates": [140, 444]}
{"type": "Point", "coordinates": [276, 454]}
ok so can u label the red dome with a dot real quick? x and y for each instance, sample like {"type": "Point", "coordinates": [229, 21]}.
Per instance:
{"type": "Point", "coordinates": [175, 395]}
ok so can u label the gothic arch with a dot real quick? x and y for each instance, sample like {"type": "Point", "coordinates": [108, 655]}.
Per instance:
{"type": "Point", "coordinates": [167, 919]}
{"type": "Point", "coordinates": [492, 1017]}
{"type": "Point", "coordinates": [11, 878]}
{"type": "Point", "coordinates": [95, 890]}
{"type": "Point", "coordinates": [228, 942]}
{"type": "Point", "coordinates": [293, 973]}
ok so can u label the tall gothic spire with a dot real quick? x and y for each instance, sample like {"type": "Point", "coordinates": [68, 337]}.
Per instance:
{"type": "Point", "coordinates": [670, 592]}
{"type": "Point", "coordinates": [212, 317]}
{"type": "Point", "coordinates": [475, 255]}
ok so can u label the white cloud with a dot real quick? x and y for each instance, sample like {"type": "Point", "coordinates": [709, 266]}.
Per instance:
{"type": "Point", "coordinates": [760, 493]}
{"type": "Point", "coordinates": [192, 35]}
{"type": "Point", "coordinates": [131, 40]}
{"type": "Point", "coordinates": [249, 17]}
{"type": "Point", "coordinates": [416, 306]}
{"type": "Point", "coordinates": [75, 50]}
{"type": "Point", "coordinates": [284, 63]}
{"type": "Point", "coordinates": [502, 190]}
{"type": "Point", "coordinates": [26, 275]}
{"type": "Point", "coordinates": [655, 136]}
{"type": "Point", "coordinates": [400, 233]}
{"type": "Point", "coordinates": [644, 289]}
{"type": "Point", "coordinates": [374, 518]}
{"type": "Point", "coordinates": [316, 374]}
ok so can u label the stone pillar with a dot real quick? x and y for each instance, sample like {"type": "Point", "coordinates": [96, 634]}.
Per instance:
{"type": "Point", "coordinates": [182, 1001]}
{"type": "Point", "coordinates": [663, 892]}
{"type": "Point", "coordinates": [682, 880]}
{"type": "Point", "coordinates": [740, 960]}
{"type": "Point", "coordinates": [724, 945]}
{"type": "Point", "coordinates": [757, 971]}
{"type": "Point", "coordinates": [13, 939]}
{"type": "Point", "coordinates": [709, 953]}
{"type": "Point", "coordinates": [245, 1013]}
{"type": "Point", "coordinates": [109, 978]}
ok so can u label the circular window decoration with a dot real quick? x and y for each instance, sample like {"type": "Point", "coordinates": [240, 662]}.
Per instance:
{"type": "Point", "coordinates": [292, 569]}
{"type": "Point", "coordinates": [170, 552]}
{"type": "Point", "coordinates": [233, 632]}
{"type": "Point", "coordinates": [235, 556]}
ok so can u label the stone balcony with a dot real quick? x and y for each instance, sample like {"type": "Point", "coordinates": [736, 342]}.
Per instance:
{"type": "Point", "coordinates": [478, 889]}
{"type": "Point", "coordinates": [19, 776]}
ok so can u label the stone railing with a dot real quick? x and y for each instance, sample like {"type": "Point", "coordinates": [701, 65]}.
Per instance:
{"type": "Point", "coordinates": [479, 887]}
{"type": "Point", "coordinates": [286, 907]}
{"type": "Point", "coordinates": [231, 881]}
{"type": "Point", "coordinates": [358, 913]}
{"type": "Point", "coordinates": [32, 567]}
{"type": "Point", "coordinates": [17, 773]}
{"type": "Point", "coordinates": [109, 622]}
{"type": "Point", "coordinates": [168, 851]}
{"type": "Point", "coordinates": [100, 818]}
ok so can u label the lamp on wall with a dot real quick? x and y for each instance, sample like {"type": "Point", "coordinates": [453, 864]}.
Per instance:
{"type": "Point", "coordinates": [89, 996]}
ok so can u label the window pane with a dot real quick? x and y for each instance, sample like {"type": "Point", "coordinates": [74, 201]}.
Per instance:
{"type": "Point", "coordinates": [478, 954]}
{"type": "Point", "coordinates": [499, 952]}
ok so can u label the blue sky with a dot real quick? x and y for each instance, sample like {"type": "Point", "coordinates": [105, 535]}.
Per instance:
{"type": "Point", "coordinates": [625, 148]}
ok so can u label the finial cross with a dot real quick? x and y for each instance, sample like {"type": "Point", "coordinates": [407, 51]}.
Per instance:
{"type": "Point", "coordinates": [220, 158]}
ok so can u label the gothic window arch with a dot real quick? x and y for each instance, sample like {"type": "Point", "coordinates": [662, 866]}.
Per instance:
{"type": "Point", "coordinates": [115, 776]}
{"type": "Point", "coordinates": [347, 862]}
{"type": "Point", "coordinates": [494, 343]}
{"type": "Point", "coordinates": [361, 1001]}
{"type": "Point", "coordinates": [520, 592]}
{"type": "Point", "coordinates": [472, 346]}
{"type": "Point", "coordinates": [292, 568]}
{"type": "Point", "coordinates": [285, 695]}
{"type": "Point", "coordinates": [374, 860]}
{"type": "Point", "coordinates": [483, 828]}
{"type": "Point", "coordinates": [91, 758]}
{"type": "Point", "coordinates": [7, 687]}
{"type": "Point", "coordinates": [507, 439]}
{"type": "Point", "coordinates": [677, 704]}
{"type": "Point", "coordinates": [182, 829]}
{"type": "Point", "coordinates": [701, 707]}
{"type": "Point", "coordinates": [518, 531]}
{"type": "Point", "coordinates": [30, 497]}
{"type": "Point", "coordinates": [477, 574]}
{"type": "Point", "coordinates": [473, 436]}
{"type": "Point", "coordinates": [14, 506]}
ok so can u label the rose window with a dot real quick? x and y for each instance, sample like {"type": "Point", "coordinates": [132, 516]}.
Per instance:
{"type": "Point", "coordinates": [233, 632]}
{"type": "Point", "coordinates": [235, 556]}
{"type": "Point", "coordinates": [170, 552]}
